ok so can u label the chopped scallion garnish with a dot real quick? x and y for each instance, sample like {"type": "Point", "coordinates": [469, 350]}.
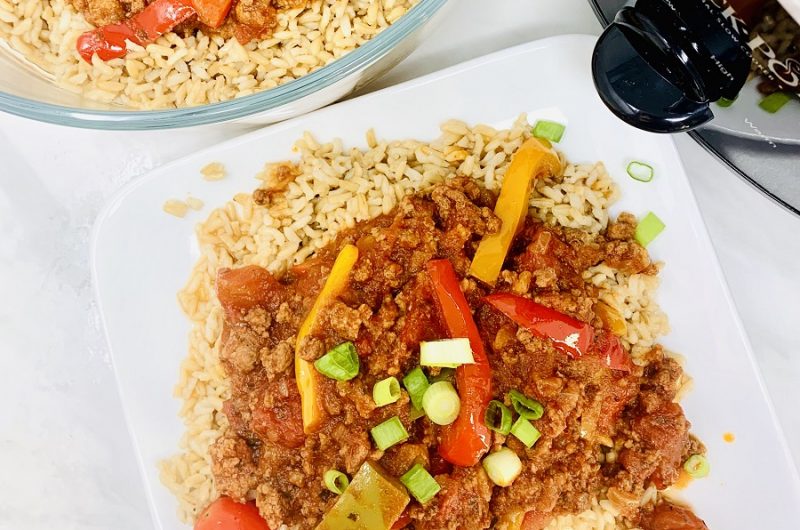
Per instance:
{"type": "Point", "coordinates": [446, 353]}
{"type": "Point", "coordinates": [386, 391]}
{"type": "Point", "coordinates": [525, 432]}
{"type": "Point", "coordinates": [416, 384]}
{"type": "Point", "coordinates": [697, 466]}
{"type": "Point", "coordinates": [336, 481]}
{"type": "Point", "coordinates": [640, 171]}
{"type": "Point", "coordinates": [341, 363]}
{"type": "Point", "coordinates": [420, 483]}
{"type": "Point", "coordinates": [389, 433]}
{"type": "Point", "coordinates": [775, 101]}
{"type": "Point", "coordinates": [502, 466]}
{"type": "Point", "coordinates": [498, 417]}
{"type": "Point", "coordinates": [527, 408]}
{"type": "Point", "coordinates": [441, 403]}
{"type": "Point", "coordinates": [648, 229]}
{"type": "Point", "coordinates": [549, 130]}
{"type": "Point", "coordinates": [414, 414]}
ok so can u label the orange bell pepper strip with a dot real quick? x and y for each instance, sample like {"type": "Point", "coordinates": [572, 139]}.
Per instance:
{"type": "Point", "coordinates": [304, 371]}
{"type": "Point", "coordinates": [535, 157]}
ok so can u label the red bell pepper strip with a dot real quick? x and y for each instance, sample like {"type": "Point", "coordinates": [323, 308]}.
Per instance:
{"type": "Point", "coordinates": [568, 334]}
{"type": "Point", "coordinates": [608, 347]}
{"type": "Point", "coordinates": [467, 439]}
{"type": "Point", "coordinates": [159, 17]}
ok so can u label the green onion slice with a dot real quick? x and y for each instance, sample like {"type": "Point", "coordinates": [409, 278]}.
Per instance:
{"type": "Point", "coordinates": [775, 101]}
{"type": "Point", "coordinates": [386, 392]}
{"type": "Point", "coordinates": [498, 417]}
{"type": "Point", "coordinates": [341, 363]}
{"type": "Point", "coordinates": [416, 384]}
{"type": "Point", "coordinates": [447, 353]}
{"type": "Point", "coordinates": [725, 102]}
{"type": "Point", "coordinates": [527, 408]}
{"type": "Point", "coordinates": [549, 130]}
{"type": "Point", "coordinates": [336, 481]}
{"type": "Point", "coordinates": [649, 228]}
{"type": "Point", "coordinates": [414, 414]}
{"type": "Point", "coordinates": [640, 171]}
{"type": "Point", "coordinates": [697, 466]}
{"type": "Point", "coordinates": [525, 432]}
{"type": "Point", "coordinates": [502, 466]}
{"type": "Point", "coordinates": [420, 483]}
{"type": "Point", "coordinates": [441, 403]}
{"type": "Point", "coordinates": [389, 433]}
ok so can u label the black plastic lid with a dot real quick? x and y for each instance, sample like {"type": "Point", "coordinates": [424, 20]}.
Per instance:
{"type": "Point", "coordinates": [660, 63]}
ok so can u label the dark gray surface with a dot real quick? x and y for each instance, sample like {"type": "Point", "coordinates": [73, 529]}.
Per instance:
{"type": "Point", "coordinates": [772, 167]}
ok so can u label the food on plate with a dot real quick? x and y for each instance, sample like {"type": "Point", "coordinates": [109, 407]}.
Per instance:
{"type": "Point", "coordinates": [179, 208]}
{"type": "Point", "coordinates": [351, 366]}
{"type": "Point", "coordinates": [213, 171]}
{"type": "Point", "coordinates": [194, 203]}
{"type": "Point", "coordinates": [174, 53]}
{"type": "Point", "coordinates": [175, 207]}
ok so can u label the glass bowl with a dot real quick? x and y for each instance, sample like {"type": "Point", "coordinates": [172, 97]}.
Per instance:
{"type": "Point", "coordinates": [26, 91]}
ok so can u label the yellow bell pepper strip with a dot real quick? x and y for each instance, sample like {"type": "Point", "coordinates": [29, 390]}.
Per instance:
{"type": "Point", "coordinates": [304, 371]}
{"type": "Point", "coordinates": [611, 318]}
{"type": "Point", "coordinates": [535, 157]}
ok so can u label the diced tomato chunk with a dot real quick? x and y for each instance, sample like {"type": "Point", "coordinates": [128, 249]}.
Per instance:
{"type": "Point", "coordinates": [283, 422]}
{"type": "Point", "coordinates": [227, 514]}
{"type": "Point", "coordinates": [240, 290]}
{"type": "Point", "coordinates": [668, 516]}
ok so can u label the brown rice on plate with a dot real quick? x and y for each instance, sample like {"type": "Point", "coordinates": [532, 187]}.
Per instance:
{"type": "Point", "coordinates": [195, 68]}
{"type": "Point", "coordinates": [332, 189]}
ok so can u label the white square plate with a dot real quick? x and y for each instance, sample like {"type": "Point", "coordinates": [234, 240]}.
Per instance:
{"type": "Point", "coordinates": [142, 257]}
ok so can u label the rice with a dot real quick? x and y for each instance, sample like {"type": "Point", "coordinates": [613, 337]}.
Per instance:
{"type": "Point", "coordinates": [175, 207]}
{"type": "Point", "coordinates": [337, 187]}
{"type": "Point", "coordinates": [213, 171]}
{"type": "Point", "coordinates": [633, 296]}
{"type": "Point", "coordinates": [194, 203]}
{"type": "Point", "coordinates": [185, 71]}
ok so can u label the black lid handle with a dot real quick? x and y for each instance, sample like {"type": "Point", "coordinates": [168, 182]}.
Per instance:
{"type": "Point", "coordinates": [660, 63]}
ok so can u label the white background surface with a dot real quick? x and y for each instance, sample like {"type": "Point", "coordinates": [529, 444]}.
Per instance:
{"type": "Point", "coordinates": [64, 452]}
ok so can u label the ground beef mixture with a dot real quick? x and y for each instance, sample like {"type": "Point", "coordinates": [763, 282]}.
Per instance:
{"type": "Point", "coordinates": [247, 19]}
{"type": "Point", "coordinates": [604, 431]}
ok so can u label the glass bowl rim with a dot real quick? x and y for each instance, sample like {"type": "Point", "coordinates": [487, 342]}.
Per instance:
{"type": "Point", "coordinates": [262, 101]}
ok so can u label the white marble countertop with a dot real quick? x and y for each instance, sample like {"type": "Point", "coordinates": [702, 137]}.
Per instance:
{"type": "Point", "coordinates": [65, 455]}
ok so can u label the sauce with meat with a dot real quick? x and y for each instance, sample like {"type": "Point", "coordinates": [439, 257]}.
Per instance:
{"type": "Point", "coordinates": [246, 19]}
{"type": "Point", "coordinates": [603, 429]}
